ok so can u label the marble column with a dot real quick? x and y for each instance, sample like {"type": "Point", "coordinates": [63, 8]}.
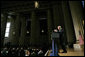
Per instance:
{"type": "Point", "coordinates": [12, 30]}
{"type": "Point", "coordinates": [34, 41]}
{"type": "Point", "coordinates": [3, 27]}
{"type": "Point", "coordinates": [23, 31]}
{"type": "Point", "coordinates": [68, 23]}
{"type": "Point", "coordinates": [49, 23]}
{"type": "Point", "coordinates": [56, 16]}
{"type": "Point", "coordinates": [61, 21]}
{"type": "Point", "coordinates": [13, 34]}
{"type": "Point", "coordinates": [16, 30]}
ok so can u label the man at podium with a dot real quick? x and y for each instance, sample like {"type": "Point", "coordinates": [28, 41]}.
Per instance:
{"type": "Point", "coordinates": [61, 38]}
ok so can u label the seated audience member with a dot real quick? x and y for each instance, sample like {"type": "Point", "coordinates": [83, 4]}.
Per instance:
{"type": "Point", "coordinates": [21, 52]}
{"type": "Point", "coordinates": [13, 52]}
{"type": "Point", "coordinates": [27, 53]}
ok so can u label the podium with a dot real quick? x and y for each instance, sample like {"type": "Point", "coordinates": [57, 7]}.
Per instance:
{"type": "Point", "coordinates": [54, 36]}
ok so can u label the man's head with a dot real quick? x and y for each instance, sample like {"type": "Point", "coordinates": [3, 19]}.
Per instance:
{"type": "Point", "coordinates": [59, 27]}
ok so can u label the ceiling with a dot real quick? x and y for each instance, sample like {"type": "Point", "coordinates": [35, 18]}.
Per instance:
{"type": "Point", "coordinates": [23, 6]}
{"type": "Point", "coordinates": [5, 4]}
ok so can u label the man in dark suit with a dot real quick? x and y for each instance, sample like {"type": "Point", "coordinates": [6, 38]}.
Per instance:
{"type": "Point", "coordinates": [62, 42]}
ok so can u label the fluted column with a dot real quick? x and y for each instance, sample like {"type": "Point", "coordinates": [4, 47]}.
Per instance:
{"type": "Point", "coordinates": [56, 16]}
{"type": "Point", "coordinates": [16, 35]}
{"type": "Point", "coordinates": [3, 27]}
{"type": "Point", "coordinates": [23, 31]}
{"type": "Point", "coordinates": [11, 35]}
{"type": "Point", "coordinates": [34, 41]}
{"type": "Point", "coordinates": [49, 23]}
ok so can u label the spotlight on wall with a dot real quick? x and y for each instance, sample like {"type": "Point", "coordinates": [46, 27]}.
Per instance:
{"type": "Point", "coordinates": [9, 16]}
{"type": "Point", "coordinates": [13, 33]}
{"type": "Point", "coordinates": [42, 31]}
{"type": "Point", "coordinates": [2, 15]}
{"type": "Point", "coordinates": [27, 32]}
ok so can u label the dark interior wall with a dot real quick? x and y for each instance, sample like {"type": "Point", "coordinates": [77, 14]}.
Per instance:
{"type": "Point", "coordinates": [57, 14]}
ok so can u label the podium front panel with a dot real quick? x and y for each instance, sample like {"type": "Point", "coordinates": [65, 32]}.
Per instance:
{"type": "Point", "coordinates": [55, 35]}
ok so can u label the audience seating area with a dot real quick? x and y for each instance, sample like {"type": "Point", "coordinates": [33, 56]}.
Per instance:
{"type": "Point", "coordinates": [20, 51]}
